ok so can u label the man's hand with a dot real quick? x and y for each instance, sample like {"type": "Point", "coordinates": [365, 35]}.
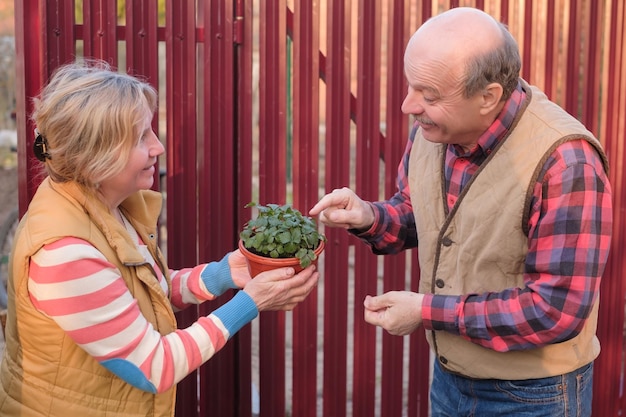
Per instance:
{"type": "Point", "coordinates": [343, 208]}
{"type": "Point", "coordinates": [398, 312]}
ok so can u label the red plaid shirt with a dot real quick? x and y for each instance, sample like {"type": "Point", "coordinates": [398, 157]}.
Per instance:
{"type": "Point", "coordinates": [569, 236]}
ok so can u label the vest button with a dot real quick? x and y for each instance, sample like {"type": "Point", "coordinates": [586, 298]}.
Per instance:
{"type": "Point", "coordinates": [446, 241]}
{"type": "Point", "coordinates": [443, 360]}
{"type": "Point", "coordinates": [440, 283]}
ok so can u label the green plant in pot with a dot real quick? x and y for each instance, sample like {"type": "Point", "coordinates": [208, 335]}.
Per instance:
{"type": "Point", "coordinates": [280, 236]}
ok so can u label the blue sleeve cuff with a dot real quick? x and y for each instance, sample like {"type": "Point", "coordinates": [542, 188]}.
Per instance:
{"type": "Point", "coordinates": [237, 312]}
{"type": "Point", "coordinates": [216, 277]}
{"type": "Point", "coordinates": [130, 373]}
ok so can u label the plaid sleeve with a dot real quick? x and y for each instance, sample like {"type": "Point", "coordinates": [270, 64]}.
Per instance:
{"type": "Point", "coordinates": [569, 239]}
{"type": "Point", "coordinates": [394, 225]}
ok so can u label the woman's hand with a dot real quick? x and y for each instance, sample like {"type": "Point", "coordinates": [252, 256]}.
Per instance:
{"type": "Point", "coordinates": [238, 269]}
{"type": "Point", "coordinates": [280, 289]}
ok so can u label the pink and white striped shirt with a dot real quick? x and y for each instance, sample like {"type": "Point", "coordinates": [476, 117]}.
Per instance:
{"type": "Point", "coordinates": [72, 282]}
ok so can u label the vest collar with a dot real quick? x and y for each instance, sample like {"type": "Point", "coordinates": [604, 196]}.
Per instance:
{"type": "Point", "coordinates": [115, 233]}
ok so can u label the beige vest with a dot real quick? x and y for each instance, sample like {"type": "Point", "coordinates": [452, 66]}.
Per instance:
{"type": "Point", "coordinates": [43, 372]}
{"type": "Point", "coordinates": [481, 244]}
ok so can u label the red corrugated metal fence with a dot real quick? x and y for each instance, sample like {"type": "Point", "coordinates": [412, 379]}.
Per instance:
{"type": "Point", "coordinates": [282, 101]}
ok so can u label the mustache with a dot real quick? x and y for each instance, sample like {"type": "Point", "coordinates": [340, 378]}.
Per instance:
{"type": "Point", "coordinates": [422, 120]}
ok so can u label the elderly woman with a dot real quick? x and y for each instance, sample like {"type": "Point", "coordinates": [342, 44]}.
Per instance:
{"type": "Point", "coordinates": [91, 328]}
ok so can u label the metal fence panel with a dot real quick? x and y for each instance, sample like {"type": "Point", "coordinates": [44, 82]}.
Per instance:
{"type": "Point", "coordinates": [282, 101]}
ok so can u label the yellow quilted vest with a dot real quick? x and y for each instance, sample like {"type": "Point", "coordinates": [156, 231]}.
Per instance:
{"type": "Point", "coordinates": [43, 372]}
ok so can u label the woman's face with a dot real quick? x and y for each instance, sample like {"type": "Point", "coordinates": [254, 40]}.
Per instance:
{"type": "Point", "coordinates": [139, 172]}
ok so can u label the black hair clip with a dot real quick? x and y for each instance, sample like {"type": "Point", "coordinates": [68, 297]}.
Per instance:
{"type": "Point", "coordinates": [40, 147]}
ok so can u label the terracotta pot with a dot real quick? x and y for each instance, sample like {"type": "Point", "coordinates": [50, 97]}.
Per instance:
{"type": "Point", "coordinates": [258, 264]}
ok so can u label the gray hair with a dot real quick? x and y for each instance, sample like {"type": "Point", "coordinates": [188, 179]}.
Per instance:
{"type": "Point", "coordinates": [501, 65]}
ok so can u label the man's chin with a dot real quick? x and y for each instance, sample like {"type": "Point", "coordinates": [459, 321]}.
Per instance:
{"type": "Point", "coordinates": [432, 138]}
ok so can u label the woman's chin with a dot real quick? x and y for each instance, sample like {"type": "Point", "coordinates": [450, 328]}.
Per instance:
{"type": "Point", "coordinates": [147, 183]}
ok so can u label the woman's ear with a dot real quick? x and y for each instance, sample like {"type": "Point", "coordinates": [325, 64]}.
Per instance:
{"type": "Point", "coordinates": [491, 96]}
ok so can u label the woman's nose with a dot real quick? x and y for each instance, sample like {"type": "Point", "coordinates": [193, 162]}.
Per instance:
{"type": "Point", "coordinates": [157, 146]}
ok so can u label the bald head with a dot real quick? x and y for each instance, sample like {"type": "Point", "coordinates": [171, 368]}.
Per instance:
{"type": "Point", "coordinates": [462, 30]}
{"type": "Point", "coordinates": [473, 44]}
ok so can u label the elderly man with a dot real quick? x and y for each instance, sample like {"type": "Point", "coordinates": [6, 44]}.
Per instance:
{"type": "Point", "coordinates": [508, 198]}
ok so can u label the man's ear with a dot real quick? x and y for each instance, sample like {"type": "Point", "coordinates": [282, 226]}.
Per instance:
{"type": "Point", "coordinates": [491, 96]}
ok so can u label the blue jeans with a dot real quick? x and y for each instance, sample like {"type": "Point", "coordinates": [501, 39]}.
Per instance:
{"type": "Point", "coordinates": [566, 395]}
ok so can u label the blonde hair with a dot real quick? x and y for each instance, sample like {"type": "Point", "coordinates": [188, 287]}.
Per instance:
{"type": "Point", "coordinates": [91, 117]}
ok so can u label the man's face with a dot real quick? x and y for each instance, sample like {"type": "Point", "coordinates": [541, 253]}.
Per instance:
{"type": "Point", "coordinates": [436, 99]}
